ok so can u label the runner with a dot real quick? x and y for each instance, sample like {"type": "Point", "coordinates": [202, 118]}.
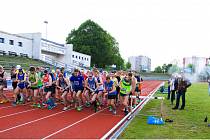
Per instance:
{"type": "Point", "coordinates": [100, 87]}
{"type": "Point", "coordinates": [33, 86]}
{"type": "Point", "coordinates": [110, 90]}
{"type": "Point", "coordinates": [63, 87]}
{"type": "Point", "coordinates": [78, 87]}
{"type": "Point", "coordinates": [3, 83]}
{"type": "Point", "coordinates": [125, 90]}
{"type": "Point", "coordinates": [47, 82]}
{"type": "Point", "coordinates": [21, 87]}
{"type": "Point", "coordinates": [132, 102]}
{"type": "Point", "coordinates": [13, 78]}
{"type": "Point", "coordinates": [90, 86]}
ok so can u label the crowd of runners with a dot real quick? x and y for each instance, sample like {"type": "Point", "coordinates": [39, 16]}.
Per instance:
{"type": "Point", "coordinates": [47, 88]}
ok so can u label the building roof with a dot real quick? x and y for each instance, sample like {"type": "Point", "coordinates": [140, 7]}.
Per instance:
{"type": "Point", "coordinates": [15, 35]}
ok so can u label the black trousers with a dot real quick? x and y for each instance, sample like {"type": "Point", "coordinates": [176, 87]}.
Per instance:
{"type": "Point", "coordinates": [173, 96]}
{"type": "Point", "coordinates": [180, 94]}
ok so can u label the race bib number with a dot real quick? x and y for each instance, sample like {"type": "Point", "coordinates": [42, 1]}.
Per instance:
{"type": "Point", "coordinates": [123, 89]}
{"type": "Point", "coordinates": [76, 83]}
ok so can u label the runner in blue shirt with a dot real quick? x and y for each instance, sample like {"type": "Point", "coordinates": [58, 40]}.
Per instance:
{"type": "Point", "coordinates": [77, 82]}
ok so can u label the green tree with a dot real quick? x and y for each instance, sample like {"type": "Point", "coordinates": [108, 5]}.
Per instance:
{"type": "Point", "coordinates": [192, 67]}
{"type": "Point", "coordinates": [158, 69]}
{"type": "Point", "coordinates": [174, 69]}
{"type": "Point", "coordinates": [164, 68]}
{"type": "Point", "coordinates": [128, 65]}
{"type": "Point", "coordinates": [93, 40]}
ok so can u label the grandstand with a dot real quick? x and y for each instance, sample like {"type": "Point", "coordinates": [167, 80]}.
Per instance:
{"type": "Point", "coordinates": [8, 61]}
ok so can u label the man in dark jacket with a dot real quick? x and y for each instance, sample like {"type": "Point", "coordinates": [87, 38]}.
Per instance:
{"type": "Point", "coordinates": [183, 84]}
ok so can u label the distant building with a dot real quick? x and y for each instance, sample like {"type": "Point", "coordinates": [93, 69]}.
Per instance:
{"type": "Point", "coordinates": [198, 62]}
{"type": "Point", "coordinates": [140, 63]}
{"type": "Point", "coordinates": [36, 47]}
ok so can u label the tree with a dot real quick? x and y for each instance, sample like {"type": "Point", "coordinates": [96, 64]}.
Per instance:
{"type": "Point", "coordinates": [93, 40]}
{"type": "Point", "coordinates": [192, 67]}
{"type": "Point", "coordinates": [158, 69]}
{"type": "Point", "coordinates": [164, 68]}
{"type": "Point", "coordinates": [128, 65]}
{"type": "Point", "coordinates": [174, 69]}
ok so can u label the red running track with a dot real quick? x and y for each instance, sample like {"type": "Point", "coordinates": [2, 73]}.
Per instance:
{"type": "Point", "coordinates": [25, 122]}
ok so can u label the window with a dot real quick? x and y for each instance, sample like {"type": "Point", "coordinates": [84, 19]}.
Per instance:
{"type": "Point", "coordinates": [72, 56]}
{"type": "Point", "coordinates": [1, 40]}
{"type": "Point", "coordinates": [76, 56]}
{"type": "Point", "coordinates": [87, 59]}
{"type": "Point", "coordinates": [82, 58]}
{"type": "Point", "coordinates": [11, 42]}
{"type": "Point", "coordinates": [20, 44]}
{"type": "Point", "coordinates": [79, 57]}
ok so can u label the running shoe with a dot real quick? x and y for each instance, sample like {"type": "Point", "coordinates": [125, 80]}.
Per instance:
{"type": "Point", "coordinates": [110, 108]}
{"type": "Point", "coordinates": [14, 103]}
{"type": "Point", "coordinates": [34, 105]}
{"type": "Point", "coordinates": [126, 112]}
{"type": "Point", "coordinates": [38, 105]}
{"type": "Point", "coordinates": [87, 104]}
{"type": "Point", "coordinates": [66, 108]}
{"type": "Point", "coordinates": [79, 108]}
{"type": "Point", "coordinates": [4, 101]}
{"type": "Point", "coordinates": [114, 112]}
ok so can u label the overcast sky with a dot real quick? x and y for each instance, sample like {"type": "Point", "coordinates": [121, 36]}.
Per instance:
{"type": "Point", "coordinates": [163, 30]}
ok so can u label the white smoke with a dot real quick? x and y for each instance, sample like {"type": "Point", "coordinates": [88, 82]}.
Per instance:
{"type": "Point", "coordinates": [200, 74]}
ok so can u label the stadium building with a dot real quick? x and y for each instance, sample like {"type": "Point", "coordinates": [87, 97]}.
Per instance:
{"type": "Point", "coordinates": [140, 63]}
{"type": "Point", "coordinates": [32, 45]}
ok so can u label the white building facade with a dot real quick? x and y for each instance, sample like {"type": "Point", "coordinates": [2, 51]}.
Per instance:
{"type": "Point", "coordinates": [198, 62]}
{"type": "Point", "coordinates": [140, 63]}
{"type": "Point", "coordinates": [36, 47]}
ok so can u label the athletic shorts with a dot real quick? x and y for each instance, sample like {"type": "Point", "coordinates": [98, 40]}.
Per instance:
{"type": "Point", "coordinates": [96, 92]}
{"type": "Point", "coordinates": [112, 96]}
{"type": "Point", "coordinates": [123, 95]}
{"type": "Point", "coordinates": [137, 89]}
{"type": "Point", "coordinates": [53, 87]}
{"type": "Point", "coordinates": [78, 89]}
{"type": "Point", "coordinates": [48, 89]}
{"type": "Point", "coordinates": [33, 88]}
{"type": "Point", "coordinates": [22, 85]}
{"type": "Point", "coordinates": [64, 90]}
{"type": "Point", "coordinates": [14, 85]}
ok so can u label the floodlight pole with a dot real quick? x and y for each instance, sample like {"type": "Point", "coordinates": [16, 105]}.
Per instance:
{"type": "Point", "coordinates": [46, 22]}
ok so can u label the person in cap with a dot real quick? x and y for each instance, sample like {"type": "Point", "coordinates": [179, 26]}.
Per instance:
{"type": "Point", "coordinates": [21, 86]}
{"type": "Point", "coordinates": [183, 84]}
{"type": "Point", "coordinates": [2, 85]}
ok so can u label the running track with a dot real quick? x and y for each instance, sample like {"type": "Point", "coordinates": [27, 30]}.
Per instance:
{"type": "Point", "coordinates": [25, 122]}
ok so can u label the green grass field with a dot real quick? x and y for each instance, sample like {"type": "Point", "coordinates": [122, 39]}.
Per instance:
{"type": "Point", "coordinates": [188, 123]}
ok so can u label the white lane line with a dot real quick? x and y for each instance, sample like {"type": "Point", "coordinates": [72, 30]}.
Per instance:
{"type": "Point", "coordinates": [17, 113]}
{"type": "Point", "coordinates": [33, 121]}
{"type": "Point", "coordinates": [72, 124]}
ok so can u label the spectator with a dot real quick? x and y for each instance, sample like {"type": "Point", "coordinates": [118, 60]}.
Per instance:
{"type": "Point", "coordinates": [183, 84]}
